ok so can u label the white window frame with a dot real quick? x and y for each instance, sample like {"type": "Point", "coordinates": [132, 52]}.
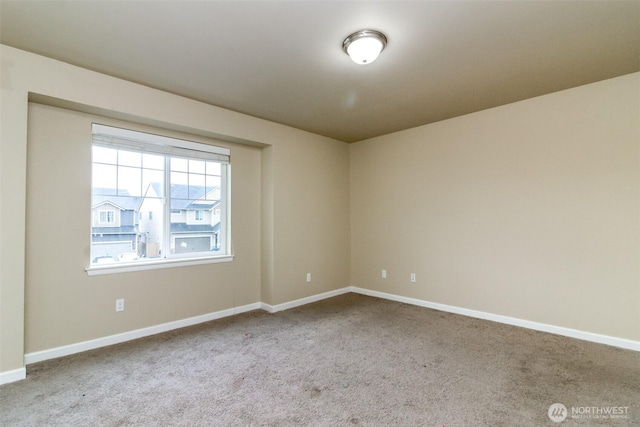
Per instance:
{"type": "Point", "coordinates": [119, 138]}
{"type": "Point", "coordinates": [107, 212]}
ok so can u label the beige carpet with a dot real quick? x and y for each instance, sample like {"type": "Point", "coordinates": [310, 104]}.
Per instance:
{"type": "Point", "coordinates": [348, 360]}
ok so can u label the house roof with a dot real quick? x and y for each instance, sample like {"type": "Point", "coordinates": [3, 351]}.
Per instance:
{"type": "Point", "coordinates": [185, 197]}
{"type": "Point", "coordinates": [122, 201]}
{"type": "Point", "coordinates": [182, 197]}
{"type": "Point", "coordinates": [181, 227]}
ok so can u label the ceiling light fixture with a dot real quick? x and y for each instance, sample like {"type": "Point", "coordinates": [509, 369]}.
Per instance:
{"type": "Point", "coordinates": [364, 46]}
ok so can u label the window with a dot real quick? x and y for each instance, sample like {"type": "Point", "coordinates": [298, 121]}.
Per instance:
{"type": "Point", "coordinates": [107, 217]}
{"type": "Point", "coordinates": [164, 178]}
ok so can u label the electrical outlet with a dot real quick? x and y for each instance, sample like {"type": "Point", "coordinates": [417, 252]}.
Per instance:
{"type": "Point", "coordinates": [308, 277]}
{"type": "Point", "coordinates": [413, 277]}
{"type": "Point", "coordinates": [384, 274]}
{"type": "Point", "coordinates": [120, 304]}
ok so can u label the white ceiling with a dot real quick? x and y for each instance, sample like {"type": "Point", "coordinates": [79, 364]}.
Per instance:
{"type": "Point", "coordinates": [282, 60]}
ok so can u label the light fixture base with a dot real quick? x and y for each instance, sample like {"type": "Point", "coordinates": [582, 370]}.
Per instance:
{"type": "Point", "coordinates": [364, 46]}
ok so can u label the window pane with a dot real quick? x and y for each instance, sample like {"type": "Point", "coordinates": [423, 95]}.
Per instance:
{"type": "Point", "coordinates": [179, 178]}
{"type": "Point", "coordinates": [107, 217]}
{"type": "Point", "coordinates": [180, 165]}
{"type": "Point", "coordinates": [129, 181]}
{"type": "Point", "coordinates": [179, 185]}
{"type": "Point", "coordinates": [213, 183]}
{"type": "Point", "coordinates": [193, 230]}
{"type": "Point", "coordinates": [151, 228]}
{"type": "Point", "coordinates": [153, 182]}
{"type": "Point", "coordinates": [114, 234]}
{"type": "Point", "coordinates": [196, 186]}
{"type": "Point", "coordinates": [213, 168]}
{"type": "Point", "coordinates": [153, 161]}
{"type": "Point", "coordinates": [129, 158]}
{"type": "Point", "coordinates": [188, 244]}
{"type": "Point", "coordinates": [196, 166]}
{"type": "Point", "coordinates": [104, 155]}
{"type": "Point", "coordinates": [104, 176]}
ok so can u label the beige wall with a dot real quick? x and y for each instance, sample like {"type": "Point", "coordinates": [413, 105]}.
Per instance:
{"type": "Point", "coordinates": [309, 206]}
{"type": "Point", "coordinates": [530, 210]}
{"type": "Point", "coordinates": [282, 232]}
{"type": "Point", "coordinates": [63, 305]}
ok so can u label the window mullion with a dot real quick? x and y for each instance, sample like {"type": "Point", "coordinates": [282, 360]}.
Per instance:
{"type": "Point", "coordinates": [225, 211]}
{"type": "Point", "coordinates": [167, 207]}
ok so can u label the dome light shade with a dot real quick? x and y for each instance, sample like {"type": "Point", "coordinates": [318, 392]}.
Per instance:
{"type": "Point", "coordinates": [363, 47]}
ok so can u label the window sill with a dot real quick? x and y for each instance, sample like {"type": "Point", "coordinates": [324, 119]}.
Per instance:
{"type": "Point", "coordinates": [154, 265]}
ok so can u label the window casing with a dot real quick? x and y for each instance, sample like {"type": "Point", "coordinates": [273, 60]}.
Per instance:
{"type": "Point", "coordinates": [107, 217]}
{"type": "Point", "coordinates": [160, 185]}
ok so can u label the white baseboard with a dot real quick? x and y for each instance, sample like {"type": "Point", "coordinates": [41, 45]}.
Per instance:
{"type": "Point", "coordinates": [13, 376]}
{"type": "Point", "coordinates": [19, 374]}
{"type": "Point", "coordinates": [303, 301]}
{"type": "Point", "coordinates": [67, 350]}
{"type": "Point", "coordinates": [558, 330]}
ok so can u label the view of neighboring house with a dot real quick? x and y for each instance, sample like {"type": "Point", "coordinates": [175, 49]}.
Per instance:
{"type": "Point", "coordinates": [124, 225]}
{"type": "Point", "coordinates": [195, 218]}
{"type": "Point", "coordinates": [114, 227]}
